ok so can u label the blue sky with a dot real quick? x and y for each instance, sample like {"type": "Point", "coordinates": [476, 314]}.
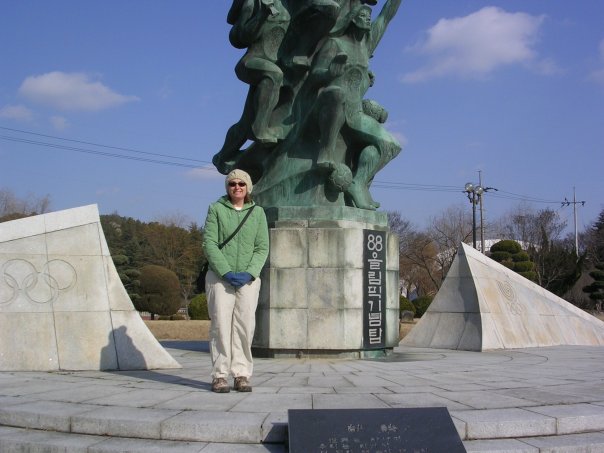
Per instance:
{"type": "Point", "coordinates": [514, 89]}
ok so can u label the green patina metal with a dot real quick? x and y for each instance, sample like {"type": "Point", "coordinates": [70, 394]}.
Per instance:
{"type": "Point", "coordinates": [316, 140]}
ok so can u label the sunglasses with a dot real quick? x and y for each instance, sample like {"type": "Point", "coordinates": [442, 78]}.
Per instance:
{"type": "Point", "coordinates": [240, 184]}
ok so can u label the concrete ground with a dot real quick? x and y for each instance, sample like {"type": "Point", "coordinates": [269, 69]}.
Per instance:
{"type": "Point", "coordinates": [529, 400]}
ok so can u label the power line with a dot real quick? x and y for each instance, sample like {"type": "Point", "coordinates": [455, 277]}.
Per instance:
{"type": "Point", "coordinates": [103, 146]}
{"type": "Point", "coordinates": [514, 196]}
{"type": "Point", "coordinates": [409, 186]}
{"type": "Point", "coordinates": [102, 153]}
{"type": "Point", "coordinates": [377, 184]}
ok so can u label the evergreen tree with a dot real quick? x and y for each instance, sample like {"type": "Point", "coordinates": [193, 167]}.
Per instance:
{"type": "Point", "coordinates": [596, 258]}
{"type": "Point", "coordinates": [510, 254]}
{"type": "Point", "coordinates": [159, 291]}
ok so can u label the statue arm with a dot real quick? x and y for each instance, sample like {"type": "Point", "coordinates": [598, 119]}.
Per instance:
{"type": "Point", "coordinates": [378, 27]}
{"type": "Point", "coordinates": [322, 71]}
{"type": "Point", "coordinates": [251, 18]}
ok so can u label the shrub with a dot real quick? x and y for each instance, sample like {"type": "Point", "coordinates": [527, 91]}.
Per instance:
{"type": "Point", "coordinates": [406, 304]}
{"type": "Point", "coordinates": [500, 257]}
{"type": "Point", "coordinates": [596, 289]}
{"type": "Point", "coordinates": [521, 256]}
{"type": "Point", "coordinates": [198, 308]}
{"type": "Point", "coordinates": [510, 254]}
{"type": "Point", "coordinates": [506, 245]}
{"type": "Point", "coordinates": [175, 317]}
{"type": "Point", "coordinates": [597, 275]}
{"type": "Point", "coordinates": [523, 266]}
{"type": "Point", "coordinates": [421, 305]}
{"type": "Point", "coordinates": [508, 264]}
{"type": "Point", "coordinates": [159, 291]}
{"type": "Point", "coordinates": [120, 260]}
{"type": "Point", "coordinates": [531, 275]}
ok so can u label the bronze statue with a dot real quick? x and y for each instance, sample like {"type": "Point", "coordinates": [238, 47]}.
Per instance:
{"type": "Point", "coordinates": [316, 140]}
{"type": "Point", "coordinates": [259, 26]}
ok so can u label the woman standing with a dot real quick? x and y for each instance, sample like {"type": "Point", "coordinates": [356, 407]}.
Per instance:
{"type": "Point", "coordinates": [232, 281]}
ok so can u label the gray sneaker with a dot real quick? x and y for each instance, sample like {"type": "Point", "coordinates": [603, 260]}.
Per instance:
{"type": "Point", "coordinates": [242, 384]}
{"type": "Point", "coordinates": [219, 385]}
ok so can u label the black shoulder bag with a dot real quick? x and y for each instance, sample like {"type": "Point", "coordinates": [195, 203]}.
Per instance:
{"type": "Point", "coordinates": [201, 279]}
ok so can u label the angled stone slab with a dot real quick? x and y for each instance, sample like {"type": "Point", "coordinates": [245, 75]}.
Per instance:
{"type": "Point", "coordinates": [482, 305]}
{"type": "Point", "coordinates": [62, 304]}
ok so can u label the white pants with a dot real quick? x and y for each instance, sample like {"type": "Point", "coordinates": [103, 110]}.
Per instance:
{"type": "Point", "coordinates": [233, 314]}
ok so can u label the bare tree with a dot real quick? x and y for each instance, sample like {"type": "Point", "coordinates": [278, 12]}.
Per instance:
{"type": "Point", "coordinates": [540, 234]}
{"type": "Point", "coordinates": [419, 264]}
{"type": "Point", "coordinates": [12, 207]}
{"type": "Point", "coordinates": [448, 231]}
{"type": "Point", "coordinates": [176, 249]}
{"type": "Point", "coordinates": [174, 219]}
{"type": "Point", "coordinates": [531, 227]}
{"type": "Point", "coordinates": [416, 256]}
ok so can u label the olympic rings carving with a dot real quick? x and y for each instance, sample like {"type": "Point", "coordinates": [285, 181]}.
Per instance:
{"type": "Point", "coordinates": [515, 308]}
{"type": "Point", "coordinates": [56, 277]}
{"type": "Point", "coordinates": [509, 293]}
{"type": "Point", "coordinates": [507, 290]}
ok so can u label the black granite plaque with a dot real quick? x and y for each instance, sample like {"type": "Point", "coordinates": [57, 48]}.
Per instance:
{"type": "Point", "coordinates": [405, 430]}
{"type": "Point", "coordinates": [374, 289]}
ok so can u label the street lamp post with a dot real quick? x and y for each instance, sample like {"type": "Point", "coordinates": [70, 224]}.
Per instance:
{"type": "Point", "coordinates": [474, 194]}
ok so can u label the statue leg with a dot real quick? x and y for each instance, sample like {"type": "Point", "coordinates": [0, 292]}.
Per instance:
{"type": "Point", "coordinates": [265, 99]}
{"type": "Point", "coordinates": [265, 79]}
{"type": "Point", "coordinates": [359, 189]}
{"type": "Point", "coordinates": [330, 118]}
{"type": "Point", "coordinates": [381, 148]}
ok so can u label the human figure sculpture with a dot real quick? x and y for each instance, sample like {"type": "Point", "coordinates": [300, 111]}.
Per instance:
{"type": "Point", "coordinates": [259, 26]}
{"type": "Point", "coordinates": [341, 75]}
{"type": "Point", "coordinates": [316, 140]}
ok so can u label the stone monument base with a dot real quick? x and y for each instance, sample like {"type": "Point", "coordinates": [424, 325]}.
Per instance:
{"type": "Point", "coordinates": [313, 302]}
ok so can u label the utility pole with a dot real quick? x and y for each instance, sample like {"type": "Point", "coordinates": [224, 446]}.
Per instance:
{"type": "Point", "coordinates": [574, 203]}
{"type": "Point", "coordinates": [481, 218]}
{"type": "Point", "coordinates": [475, 193]}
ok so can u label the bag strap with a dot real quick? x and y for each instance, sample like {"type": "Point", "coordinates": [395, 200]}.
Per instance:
{"type": "Point", "coordinates": [221, 245]}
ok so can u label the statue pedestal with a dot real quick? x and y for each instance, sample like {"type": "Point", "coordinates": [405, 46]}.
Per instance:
{"type": "Point", "coordinates": [320, 286]}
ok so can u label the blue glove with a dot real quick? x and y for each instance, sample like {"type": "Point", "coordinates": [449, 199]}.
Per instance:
{"type": "Point", "coordinates": [243, 277]}
{"type": "Point", "coordinates": [231, 279]}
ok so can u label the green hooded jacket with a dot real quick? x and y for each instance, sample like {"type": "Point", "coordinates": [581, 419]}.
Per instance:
{"type": "Point", "coordinates": [248, 250]}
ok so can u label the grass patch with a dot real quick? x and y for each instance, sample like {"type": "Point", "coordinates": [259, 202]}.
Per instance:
{"type": "Point", "coordinates": [200, 330]}
{"type": "Point", "coordinates": [180, 330]}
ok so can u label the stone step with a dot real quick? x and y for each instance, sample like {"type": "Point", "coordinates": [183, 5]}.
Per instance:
{"type": "Point", "coordinates": [26, 440]}
{"type": "Point", "coordinates": [570, 443]}
{"type": "Point", "coordinates": [145, 423]}
{"type": "Point", "coordinates": [487, 428]}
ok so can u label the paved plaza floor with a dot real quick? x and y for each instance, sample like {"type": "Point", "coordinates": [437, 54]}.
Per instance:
{"type": "Point", "coordinates": [525, 400]}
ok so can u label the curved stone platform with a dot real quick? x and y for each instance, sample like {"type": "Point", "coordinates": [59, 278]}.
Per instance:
{"type": "Point", "coordinates": [524, 400]}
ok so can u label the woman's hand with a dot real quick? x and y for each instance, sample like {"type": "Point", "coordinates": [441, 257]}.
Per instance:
{"type": "Point", "coordinates": [231, 279]}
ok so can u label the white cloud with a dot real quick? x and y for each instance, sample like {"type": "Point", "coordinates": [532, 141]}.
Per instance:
{"type": "Point", "coordinates": [477, 44]}
{"type": "Point", "coordinates": [71, 91]}
{"type": "Point", "coordinates": [16, 112]}
{"type": "Point", "coordinates": [59, 122]}
{"type": "Point", "coordinates": [207, 172]}
{"type": "Point", "coordinates": [165, 91]}
{"type": "Point", "coordinates": [394, 127]}
{"type": "Point", "coordinates": [598, 75]}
